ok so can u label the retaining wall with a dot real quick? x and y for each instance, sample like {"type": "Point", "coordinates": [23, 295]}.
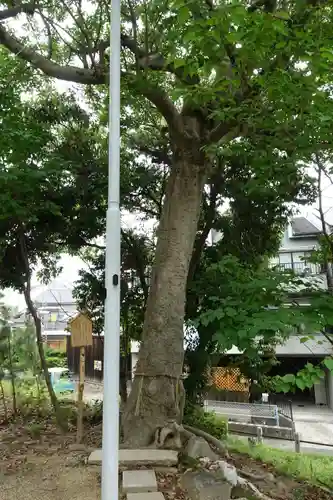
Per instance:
{"type": "Point", "coordinates": [267, 430]}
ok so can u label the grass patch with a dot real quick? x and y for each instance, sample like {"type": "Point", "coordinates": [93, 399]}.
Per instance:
{"type": "Point", "coordinates": [315, 469]}
{"type": "Point", "coordinates": [206, 421]}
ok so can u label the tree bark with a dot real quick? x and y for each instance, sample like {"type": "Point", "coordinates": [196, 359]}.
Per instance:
{"type": "Point", "coordinates": [154, 398]}
{"type": "Point", "coordinates": [3, 398]}
{"type": "Point", "coordinates": [43, 362]}
{"type": "Point", "coordinates": [11, 371]}
{"type": "Point", "coordinates": [26, 286]}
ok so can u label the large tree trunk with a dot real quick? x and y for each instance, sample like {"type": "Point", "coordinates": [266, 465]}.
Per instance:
{"type": "Point", "coordinates": [154, 398]}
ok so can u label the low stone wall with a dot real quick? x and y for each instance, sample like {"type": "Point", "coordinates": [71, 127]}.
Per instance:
{"type": "Point", "coordinates": [267, 430]}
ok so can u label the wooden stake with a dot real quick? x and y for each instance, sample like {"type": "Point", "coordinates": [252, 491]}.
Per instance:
{"type": "Point", "coordinates": [80, 395]}
{"type": "Point", "coordinates": [297, 443]}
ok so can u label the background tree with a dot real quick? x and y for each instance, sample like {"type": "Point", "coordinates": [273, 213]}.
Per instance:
{"type": "Point", "coordinates": [50, 162]}
{"type": "Point", "coordinates": [89, 291]}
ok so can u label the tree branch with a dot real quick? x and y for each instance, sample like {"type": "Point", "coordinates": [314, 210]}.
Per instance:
{"type": "Point", "coordinates": [225, 132]}
{"type": "Point", "coordinates": [156, 61]}
{"type": "Point", "coordinates": [52, 69]}
{"type": "Point", "coordinates": [28, 8]}
{"type": "Point", "coordinates": [139, 264]}
{"type": "Point", "coordinates": [92, 245]}
{"type": "Point", "coordinates": [157, 155]}
{"type": "Point", "coordinates": [327, 337]}
{"type": "Point", "coordinates": [154, 94]}
{"type": "Point", "coordinates": [157, 96]}
{"type": "Point", "coordinates": [328, 240]}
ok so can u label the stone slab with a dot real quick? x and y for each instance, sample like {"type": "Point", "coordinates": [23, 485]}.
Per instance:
{"type": "Point", "coordinates": [197, 447]}
{"type": "Point", "coordinates": [203, 485]}
{"type": "Point", "coordinates": [146, 496]}
{"type": "Point", "coordinates": [144, 456]}
{"type": "Point", "coordinates": [137, 481]}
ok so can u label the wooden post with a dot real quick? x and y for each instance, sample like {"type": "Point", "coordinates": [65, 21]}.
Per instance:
{"type": "Point", "coordinates": [297, 443]}
{"type": "Point", "coordinates": [80, 394]}
{"type": "Point", "coordinates": [81, 330]}
{"type": "Point", "coordinates": [259, 435]}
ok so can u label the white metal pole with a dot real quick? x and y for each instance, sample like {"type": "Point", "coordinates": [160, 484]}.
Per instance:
{"type": "Point", "coordinates": [110, 444]}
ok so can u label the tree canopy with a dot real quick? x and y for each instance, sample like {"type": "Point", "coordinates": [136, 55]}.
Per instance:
{"type": "Point", "coordinates": [205, 82]}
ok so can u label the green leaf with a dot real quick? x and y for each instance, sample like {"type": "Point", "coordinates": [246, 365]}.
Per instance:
{"type": "Point", "coordinates": [290, 378]}
{"type": "Point", "coordinates": [282, 14]}
{"type": "Point", "coordinates": [179, 63]}
{"type": "Point", "coordinates": [300, 383]}
{"type": "Point", "coordinates": [328, 362]}
{"type": "Point", "coordinates": [230, 312]}
{"type": "Point", "coordinates": [183, 14]}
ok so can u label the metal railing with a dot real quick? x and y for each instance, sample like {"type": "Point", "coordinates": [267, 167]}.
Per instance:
{"type": "Point", "coordinates": [250, 411]}
{"type": "Point", "coordinates": [284, 405]}
{"type": "Point", "coordinates": [300, 268]}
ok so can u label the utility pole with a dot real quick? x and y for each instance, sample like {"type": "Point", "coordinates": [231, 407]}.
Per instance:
{"type": "Point", "coordinates": [110, 443]}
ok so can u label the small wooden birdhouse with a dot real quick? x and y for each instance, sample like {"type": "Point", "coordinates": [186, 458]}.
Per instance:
{"type": "Point", "coordinates": [81, 330]}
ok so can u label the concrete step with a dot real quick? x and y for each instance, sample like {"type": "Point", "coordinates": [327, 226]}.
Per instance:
{"type": "Point", "coordinates": [146, 496]}
{"type": "Point", "coordinates": [139, 481]}
{"type": "Point", "coordinates": [144, 456]}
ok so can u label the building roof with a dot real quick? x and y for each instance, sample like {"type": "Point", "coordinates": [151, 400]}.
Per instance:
{"type": "Point", "coordinates": [303, 227]}
{"type": "Point", "coordinates": [56, 333]}
{"type": "Point", "coordinates": [56, 293]}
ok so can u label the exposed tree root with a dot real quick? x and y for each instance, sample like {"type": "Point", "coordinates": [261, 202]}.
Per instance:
{"type": "Point", "coordinates": [245, 484]}
{"type": "Point", "coordinates": [174, 436]}
{"type": "Point", "coordinates": [253, 477]}
{"type": "Point", "coordinates": [221, 447]}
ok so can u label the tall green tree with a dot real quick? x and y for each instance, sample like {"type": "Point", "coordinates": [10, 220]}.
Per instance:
{"type": "Point", "coordinates": [216, 72]}
{"type": "Point", "coordinates": [49, 154]}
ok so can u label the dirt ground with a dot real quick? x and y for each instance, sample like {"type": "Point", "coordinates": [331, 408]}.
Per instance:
{"type": "Point", "coordinates": [36, 469]}
{"type": "Point", "coordinates": [51, 466]}
{"type": "Point", "coordinates": [50, 478]}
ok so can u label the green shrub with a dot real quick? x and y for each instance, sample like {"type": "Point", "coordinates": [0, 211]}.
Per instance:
{"type": "Point", "coordinates": [55, 358]}
{"type": "Point", "coordinates": [94, 412]}
{"type": "Point", "coordinates": [35, 430]}
{"type": "Point", "coordinates": [196, 417]}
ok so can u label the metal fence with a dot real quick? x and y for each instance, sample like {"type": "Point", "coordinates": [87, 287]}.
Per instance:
{"type": "Point", "coordinates": [285, 406]}
{"type": "Point", "coordinates": [254, 412]}
{"type": "Point", "coordinates": [300, 268]}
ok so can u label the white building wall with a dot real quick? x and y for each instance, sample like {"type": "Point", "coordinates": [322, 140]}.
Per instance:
{"type": "Point", "coordinates": [294, 244]}
{"type": "Point", "coordinates": [294, 347]}
{"type": "Point", "coordinates": [320, 392]}
{"type": "Point", "coordinates": [319, 346]}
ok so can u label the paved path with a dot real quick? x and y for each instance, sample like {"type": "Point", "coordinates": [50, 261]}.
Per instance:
{"type": "Point", "coordinates": [313, 423]}
{"type": "Point", "coordinates": [93, 391]}
{"type": "Point", "coordinates": [312, 413]}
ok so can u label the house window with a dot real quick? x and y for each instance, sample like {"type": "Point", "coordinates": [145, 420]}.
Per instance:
{"type": "Point", "coordinates": [53, 317]}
